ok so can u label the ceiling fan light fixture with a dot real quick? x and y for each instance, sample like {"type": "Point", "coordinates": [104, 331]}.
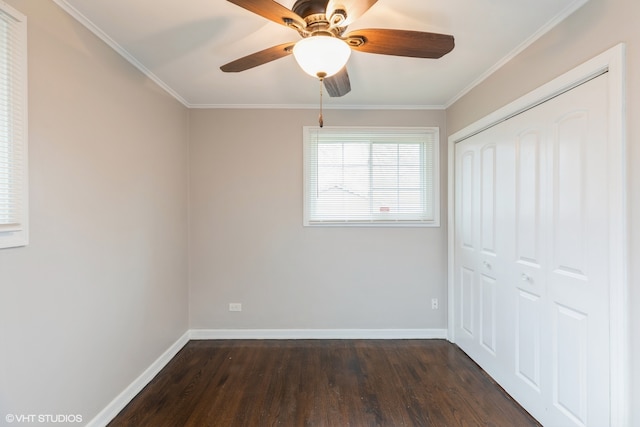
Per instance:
{"type": "Point", "coordinates": [321, 56]}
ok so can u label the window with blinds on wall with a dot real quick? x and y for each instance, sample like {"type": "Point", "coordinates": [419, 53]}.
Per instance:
{"type": "Point", "coordinates": [371, 176]}
{"type": "Point", "coordinates": [13, 128]}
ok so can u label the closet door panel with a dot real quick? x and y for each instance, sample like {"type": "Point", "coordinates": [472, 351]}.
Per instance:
{"type": "Point", "coordinates": [528, 340]}
{"type": "Point", "coordinates": [577, 278]}
{"type": "Point", "coordinates": [467, 211]}
{"type": "Point", "coordinates": [528, 199]}
{"type": "Point", "coordinates": [569, 195]}
{"type": "Point", "coordinates": [570, 377]}
{"type": "Point", "coordinates": [488, 199]}
{"type": "Point", "coordinates": [466, 242]}
{"type": "Point", "coordinates": [527, 267]}
{"type": "Point", "coordinates": [476, 281]}
{"type": "Point", "coordinates": [467, 301]}
{"type": "Point", "coordinates": [488, 314]}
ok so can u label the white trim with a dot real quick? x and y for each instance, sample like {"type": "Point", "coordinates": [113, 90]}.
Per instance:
{"type": "Point", "coordinates": [451, 336]}
{"type": "Point", "coordinates": [112, 409]}
{"type": "Point", "coordinates": [522, 46]}
{"type": "Point", "coordinates": [78, 16]}
{"type": "Point", "coordinates": [319, 334]}
{"type": "Point", "coordinates": [315, 107]}
{"type": "Point", "coordinates": [619, 344]}
{"type": "Point", "coordinates": [611, 61]}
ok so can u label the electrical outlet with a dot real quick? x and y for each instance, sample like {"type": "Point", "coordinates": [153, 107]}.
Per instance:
{"type": "Point", "coordinates": [235, 306]}
{"type": "Point", "coordinates": [434, 303]}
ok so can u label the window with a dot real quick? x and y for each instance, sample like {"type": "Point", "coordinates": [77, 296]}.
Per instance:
{"type": "Point", "coordinates": [371, 176]}
{"type": "Point", "coordinates": [13, 128]}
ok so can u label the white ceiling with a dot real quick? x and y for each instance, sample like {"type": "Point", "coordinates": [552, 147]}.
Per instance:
{"type": "Point", "coordinates": [181, 45]}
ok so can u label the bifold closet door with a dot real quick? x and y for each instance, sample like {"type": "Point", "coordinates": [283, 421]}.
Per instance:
{"type": "Point", "coordinates": [531, 263]}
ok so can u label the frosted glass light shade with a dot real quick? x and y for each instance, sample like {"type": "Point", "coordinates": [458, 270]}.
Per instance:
{"type": "Point", "coordinates": [321, 54]}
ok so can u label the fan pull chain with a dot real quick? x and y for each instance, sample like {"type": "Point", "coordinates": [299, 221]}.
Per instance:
{"type": "Point", "coordinates": [321, 76]}
{"type": "Point", "coordinates": [320, 118]}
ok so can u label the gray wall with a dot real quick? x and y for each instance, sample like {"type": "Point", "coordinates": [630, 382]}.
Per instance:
{"type": "Point", "coordinates": [101, 291]}
{"type": "Point", "coordinates": [248, 245]}
{"type": "Point", "coordinates": [596, 27]}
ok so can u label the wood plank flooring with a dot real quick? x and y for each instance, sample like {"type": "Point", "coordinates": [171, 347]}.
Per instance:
{"type": "Point", "coordinates": [332, 383]}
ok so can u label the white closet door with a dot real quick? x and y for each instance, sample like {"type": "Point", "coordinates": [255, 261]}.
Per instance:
{"type": "Point", "coordinates": [531, 265]}
{"type": "Point", "coordinates": [481, 263]}
{"type": "Point", "coordinates": [577, 260]}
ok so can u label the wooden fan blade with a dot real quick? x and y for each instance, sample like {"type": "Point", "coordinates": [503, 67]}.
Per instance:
{"type": "Point", "coordinates": [338, 84]}
{"type": "Point", "coordinates": [415, 44]}
{"type": "Point", "coordinates": [273, 11]}
{"type": "Point", "coordinates": [259, 58]}
{"type": "Point", "coordinates": [354, 9]}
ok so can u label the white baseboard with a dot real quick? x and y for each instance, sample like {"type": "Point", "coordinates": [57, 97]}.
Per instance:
{"type": "Point", "coordinates": [323, 334]}
{"type": "Point", "coordinates": [112, 409]}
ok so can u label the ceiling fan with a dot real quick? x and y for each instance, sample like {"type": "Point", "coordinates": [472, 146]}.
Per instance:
{"type": "Point", "coordinates": [326, 21]}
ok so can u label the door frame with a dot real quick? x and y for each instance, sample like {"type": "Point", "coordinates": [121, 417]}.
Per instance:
{"type": "Point", "coordinates": [612, 62]}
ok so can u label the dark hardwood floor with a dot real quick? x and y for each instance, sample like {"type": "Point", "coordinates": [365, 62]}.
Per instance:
{"type": "Point", "coordinates": [332, 383]}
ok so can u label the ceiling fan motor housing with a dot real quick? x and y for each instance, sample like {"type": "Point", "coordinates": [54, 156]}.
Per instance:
{"type": "Point", "coordinates": [305, 8]}
{"type": "Point", "coordinates": [314, 12]}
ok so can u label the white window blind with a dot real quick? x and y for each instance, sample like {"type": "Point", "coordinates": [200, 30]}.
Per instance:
{"type": "Point", "coordinates": [371, 176]}
{"type": "Point", "coordinates": [13, 128]}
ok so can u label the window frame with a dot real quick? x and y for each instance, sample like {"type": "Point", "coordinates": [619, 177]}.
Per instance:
{"type": "Point", "coordinates": [433, 138]}
{"type": "Point", "coordinates": [16, 234]}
